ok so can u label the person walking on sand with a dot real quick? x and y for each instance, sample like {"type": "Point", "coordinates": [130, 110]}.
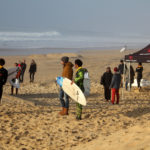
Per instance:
{"type": "Point", "coordinates": [106, 81]}
{"type": "Point", "coordinates": [23, 69]}
{"type": "Point", "coordinates": [79, 78]}
{"type": "Point", "coordinates": [115, 85]}
{"type": "Point", "coordinates": [139, 71]}
{"type": "Point", "coordinates": [3, 76]}
{"type": "Point", "coordinates": [32, 70]}
{"type": "Point", "coordinates": [67, 73]}
{"type": "Point", "coordinates": [16, 80]}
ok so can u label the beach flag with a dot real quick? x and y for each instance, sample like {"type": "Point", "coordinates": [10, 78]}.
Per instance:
{"type": "Point", "coordinates": [123, 49]}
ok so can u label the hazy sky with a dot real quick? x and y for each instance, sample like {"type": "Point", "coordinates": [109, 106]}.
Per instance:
{"type": "Point", "coordinates": [115, 16]}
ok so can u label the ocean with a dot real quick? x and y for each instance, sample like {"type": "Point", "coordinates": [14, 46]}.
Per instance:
{"type": "Point", "coordinates": [27, 43]}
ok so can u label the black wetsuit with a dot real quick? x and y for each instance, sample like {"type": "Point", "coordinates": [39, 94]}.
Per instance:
{"type": "Point", "coordinates": [32, 71]}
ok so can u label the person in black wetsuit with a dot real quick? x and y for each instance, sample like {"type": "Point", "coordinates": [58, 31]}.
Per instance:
{"type": "Point", "coordinates": [23, 69]}
{"type": "Point", "coordinates": [32, 70]}
{"type": "Point", "coordinates": [139, 71]}
{"type": "Point", "coordinates": [106, 81]}
{"type": "Point", "coordinates": [3, 76]}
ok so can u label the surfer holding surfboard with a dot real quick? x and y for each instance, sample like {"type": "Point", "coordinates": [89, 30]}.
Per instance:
{"type": "Point", "coordinates": [79, 79]}
{"type": "Point", "coordinates": [74, 89]}
{"type": "Point", "coordinates": [67, 73]}
{"type": "Point", "coordinates": [3, 76]}
{"type": "Point", "coordinates": [15, 81]}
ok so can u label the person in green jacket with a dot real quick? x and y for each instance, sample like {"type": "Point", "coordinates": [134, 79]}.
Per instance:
{"type": "Point", "coordinates": [79, 78]}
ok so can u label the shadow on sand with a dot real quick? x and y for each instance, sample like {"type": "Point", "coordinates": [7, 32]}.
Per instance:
{"type": "Point", "coordinates": [138, 112]}
{"type": "Point", "coordinates": [51, 98]}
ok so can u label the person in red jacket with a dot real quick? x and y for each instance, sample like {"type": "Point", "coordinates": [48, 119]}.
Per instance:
{"type": "Point", "coordinates": [115, 85]}
{"type": "Point", "coordinates": [16, 79]}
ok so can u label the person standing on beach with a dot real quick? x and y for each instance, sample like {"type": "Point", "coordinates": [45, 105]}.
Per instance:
{"type": "Point", "coordinates": [23, 69]}
{"type": "Point", "coordinates": [79, 78]}
{"type": "Point", "coordinates": [106, 81]}
{"type": "Point", "coordinates": [3, 76]}
{"type": "Point", "coordinates": [16, 79]}
{"type": "Point", "coordinates": [122, 68]}
{"type": "Point", "coordinates": [67, 73]}
{"type": "Point", "coordinates": [32, 70]}
{"type": "Point", "coordinates": [139, 71]}
{"type": "Point", "coordinates": [115, 85]}
{"type": "Point", "coordinates": [130, 77]}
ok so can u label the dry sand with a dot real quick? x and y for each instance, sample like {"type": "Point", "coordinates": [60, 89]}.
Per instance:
{"type": "Point", "coordinates": [30, 121]}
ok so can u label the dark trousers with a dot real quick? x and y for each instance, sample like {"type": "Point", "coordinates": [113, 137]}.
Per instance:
{"type": "Point", "coordinates": [21, 78]}
{"type": "Point", "coordinates": [1, 92]}
{"type": "Point", "coordinates": [12, 90]}
{"type": "Point", "coordinates": [107, 93]}
{"type": "Point", "coordinates": [138, 82]}
{"type": "Point", "coordinates": [32, 76]}
{"type": "Point", "coordinates": [64, 99]}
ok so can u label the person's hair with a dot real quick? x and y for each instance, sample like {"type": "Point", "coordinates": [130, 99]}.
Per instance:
{"type": "Point", "coordinates": [108, 68]}
{"type": "Point", "coordinates": [78, 62]}
{"type": "Point", "coordinates": [121, 61]}
{"type": "Point", "coordinates": [140, 63]}
{"type": "Point", "coordinates": [2, 62]}
{"type": "Point", "coordinates": [16, 64]}
{"type": "Point", "coordinates": [33, 61]}
{"type": "Point", "coordinates": [65, 59]}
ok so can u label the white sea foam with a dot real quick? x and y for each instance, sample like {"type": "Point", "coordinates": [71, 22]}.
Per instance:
{"type": "Point", "coordinates": [28, 36]}
{"type": "Point", "coordinates": [56, 39]}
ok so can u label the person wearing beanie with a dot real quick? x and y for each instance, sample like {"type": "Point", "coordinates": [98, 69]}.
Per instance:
{"type": "Point", "coordinates": [115, 85]}
{"type": "Point", "coordinates": [3, 76]}
{"type": "Point", "coordinates": [106, 81]}
{"type": "Point", "coordinates": [139, 71]}
{"type": "Point", "coordinates": [66, 73]}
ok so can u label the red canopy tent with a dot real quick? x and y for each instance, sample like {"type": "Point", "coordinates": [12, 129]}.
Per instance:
{"type": "Point", "coordinates": [142, 56]}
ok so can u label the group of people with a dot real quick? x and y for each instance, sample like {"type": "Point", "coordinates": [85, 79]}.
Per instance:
{"type": "Point", "coordinates": [21, 68]}
{"type": "Point", "coordinates": [19, 78]}
{"type": "Point", "coordinates": [113, 82]}
{"type": "Point", "coordinates": [79, 78]}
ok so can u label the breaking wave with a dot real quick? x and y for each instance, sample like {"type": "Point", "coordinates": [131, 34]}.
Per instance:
{"type": "Point", "coordinates": [28, 36]}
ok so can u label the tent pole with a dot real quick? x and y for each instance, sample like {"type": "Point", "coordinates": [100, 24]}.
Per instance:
{"type": "Point", "coordinates": [129, 76]}
{"type": "Point", "coordinates": [123, 80]}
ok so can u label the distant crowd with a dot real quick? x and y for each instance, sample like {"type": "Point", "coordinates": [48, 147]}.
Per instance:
{"type": "Point", "coordinates": [19, 75]}
{"type": "Point", "coordinates": [111, 81]}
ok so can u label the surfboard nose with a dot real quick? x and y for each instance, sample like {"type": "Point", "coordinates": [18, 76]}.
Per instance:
{"type": "Point", "coordinates": [59, 81]}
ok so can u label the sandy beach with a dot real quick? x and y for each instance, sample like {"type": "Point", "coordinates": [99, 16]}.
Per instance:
{"type": "Point", "coordinates": [30, 121]}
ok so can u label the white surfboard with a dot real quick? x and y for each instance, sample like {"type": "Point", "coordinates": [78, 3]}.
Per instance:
{"type": "Point", "coordinates": [12, 72]}
{"type": "Point", "coordinates": [72, 90]}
